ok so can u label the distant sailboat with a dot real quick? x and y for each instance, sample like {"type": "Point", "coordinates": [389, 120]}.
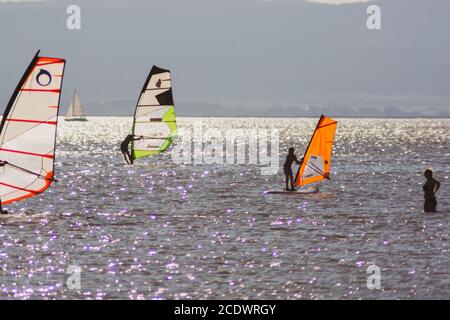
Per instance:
{"type": "Point", "coordinates": [28, 131]}
{"type": "Point", "coordinates": [75, 112]}
{"type": "Point", "coordinates": [154, 118]}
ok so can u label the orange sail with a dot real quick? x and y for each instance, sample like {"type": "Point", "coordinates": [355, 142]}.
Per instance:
{"type": "Point", "coordinates": [315, 166]}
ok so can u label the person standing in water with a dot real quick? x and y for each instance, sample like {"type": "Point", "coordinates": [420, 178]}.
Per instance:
{"type": "Point", "coordinates": [430, 188]}
{"type": "Point", "coordinates": [287, 168]}
{"type": "Point", "coordinates": [2, 164]}
{"type": "Point", "coordinates": [125, 150]}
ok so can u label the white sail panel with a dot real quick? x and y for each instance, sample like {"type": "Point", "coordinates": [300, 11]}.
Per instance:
{"type": "Point", "coordinates": [149, 99]}
{"type": "Point", "coordinates": [154, 118]}
{"type": "Point", "coordinates": [70, 111]}
{"type": "Point", "coordinates": [28, 131]}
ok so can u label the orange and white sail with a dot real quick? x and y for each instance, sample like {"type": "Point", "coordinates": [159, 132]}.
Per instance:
{"type": "Point", "coordinates": [28, 131]}
{"type": "Point", "coordinates": [315, 166]}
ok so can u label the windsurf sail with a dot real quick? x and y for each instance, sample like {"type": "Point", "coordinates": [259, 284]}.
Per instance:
{"type": "Point", "coordinates": [28, 131]}
{"type": "Point", "coordinates": [315, 166]}
{"type": "Point", "coordinates": [154, 118]}
{"type": "Point", "coordinates": [75, 108]}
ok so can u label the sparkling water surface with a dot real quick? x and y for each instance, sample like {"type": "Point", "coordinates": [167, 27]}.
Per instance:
{"type": "Point", "coordinates": [157, 230]}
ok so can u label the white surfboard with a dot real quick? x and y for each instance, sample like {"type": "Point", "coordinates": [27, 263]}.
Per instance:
{"type": "Point", "coordinates": [311, 190]}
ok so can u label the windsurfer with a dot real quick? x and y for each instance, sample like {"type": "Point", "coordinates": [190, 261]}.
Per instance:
{"type": "Point", "coordinates": [430, 188]}
{"type": "Point", "coordinates": [287, 168]}
{"type": "Point", "coordinates": [124, 147]}
{"type": "Point", "coordinates": [2, 164]}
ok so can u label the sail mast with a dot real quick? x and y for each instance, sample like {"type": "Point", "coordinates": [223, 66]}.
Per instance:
{"type": "Point", "coordinates": [17, 90]}
{"type": "Point", "coordinates": [309, 143]}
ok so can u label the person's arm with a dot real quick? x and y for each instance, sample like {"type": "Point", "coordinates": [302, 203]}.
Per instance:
{"type": "Point", "coordinates": [298, 162]}
{"type": "Point", "coordinates": [2, 163]}
{"type": "Point", "coordinates": [140, 138]}
{"type": "Point", "coordinates": [438, 185]}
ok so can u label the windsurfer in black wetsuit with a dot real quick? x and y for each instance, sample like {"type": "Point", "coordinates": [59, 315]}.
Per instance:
{"type": "Point", "coordinates": [287, 168]}
{"type": "Point", "coordinates": [2, 164]}
{"type": "Point", "coordinates": [124, 147]}
{"type": "Point", "coordinates": [430, 188]}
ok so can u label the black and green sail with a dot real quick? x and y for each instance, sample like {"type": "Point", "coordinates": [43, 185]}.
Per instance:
{"type": "Point", "coordinates": [154, 118]}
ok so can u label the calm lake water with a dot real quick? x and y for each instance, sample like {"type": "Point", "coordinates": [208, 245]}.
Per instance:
{"type": "Point", "coordinates": [157, 230]}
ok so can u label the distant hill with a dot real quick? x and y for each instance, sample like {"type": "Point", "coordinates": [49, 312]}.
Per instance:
{"type": "Point", "coordinates": [241, 57]}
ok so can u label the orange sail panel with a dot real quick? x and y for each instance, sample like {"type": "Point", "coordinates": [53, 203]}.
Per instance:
{"type": "Point", "coordinates": [316, 162]}
{"type": "Point", "coordinates": [28, 131]}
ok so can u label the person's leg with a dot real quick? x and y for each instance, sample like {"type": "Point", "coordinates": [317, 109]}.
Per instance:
{"type": "Point", "coordinates": [433, 205]}
{"type": "Point", "coordinates": [126, 158]}
{"type": "Point", "coordinates": [286, 174]}
{"type": "Point", "coordinates": [130, 157]}
{"type": "Point", "coordinates": [291, 177]}
{"type": "Point", "coordinates": [430, 205]}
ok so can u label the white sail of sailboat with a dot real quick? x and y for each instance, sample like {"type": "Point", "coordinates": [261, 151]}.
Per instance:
{"type": "Point", "coordinates": [75, 112]}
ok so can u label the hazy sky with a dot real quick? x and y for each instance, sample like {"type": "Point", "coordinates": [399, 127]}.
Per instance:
{"type": "Point", "coordinates": [233, 57]}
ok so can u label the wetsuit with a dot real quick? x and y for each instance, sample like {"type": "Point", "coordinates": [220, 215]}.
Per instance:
{"type": "Point", "coordinates": [430, 188]}
{"type": "Point", "coordinates": [125, 143]}
{"type": "Point", "coordinates": [287, 168]}
{"type": "Point", "coordinates": [124, 149]}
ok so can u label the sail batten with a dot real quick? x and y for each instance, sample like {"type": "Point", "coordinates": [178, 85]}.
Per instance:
{"type": "Point", "coordinates": [315, 166]}
{"type": "Point", "coordinates": [154, 117]}
{"type": "Point", "coordinates": [28, 131]}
